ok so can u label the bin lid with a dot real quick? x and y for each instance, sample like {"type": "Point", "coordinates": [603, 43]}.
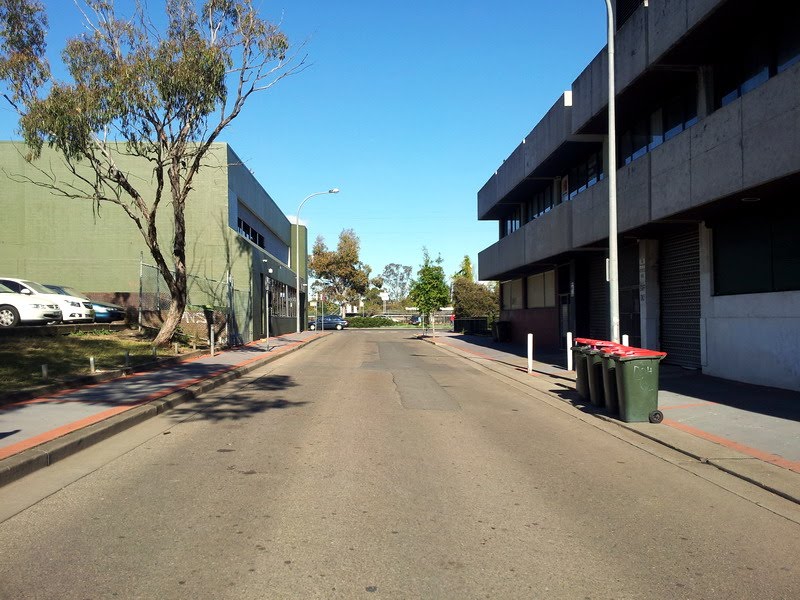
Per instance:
{"type": "Point", "coordinates": [634, 353]}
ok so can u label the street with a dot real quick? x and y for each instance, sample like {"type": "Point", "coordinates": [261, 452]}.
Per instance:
{"type": "Point", "coordinates": [373, 464]}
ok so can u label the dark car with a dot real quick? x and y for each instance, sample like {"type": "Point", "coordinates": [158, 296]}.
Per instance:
{"type": "Point", "coordinates": [414, 320]}
{"type": "Point", "coordinates": [105, 312]}
{"type": "Point", "coordinates": [328, 322]}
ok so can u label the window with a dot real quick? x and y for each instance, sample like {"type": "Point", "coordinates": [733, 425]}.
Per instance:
{"type": "Point", "coordinates": [756, 254]}
{"type": "Point", "coordinates": [583, 175]}
{"type": "Point", "coordinates": [754, 63]}
{"type": "Point", "coordinates": [542, 290]}
{"type": "Point", "coordinates": [510, 225]}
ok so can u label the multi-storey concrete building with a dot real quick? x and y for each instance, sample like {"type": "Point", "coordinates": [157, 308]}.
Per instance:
{"type": "Point", "coordinates": [240, 246]}
{"type": "Point", "coordinates": [708, 131]}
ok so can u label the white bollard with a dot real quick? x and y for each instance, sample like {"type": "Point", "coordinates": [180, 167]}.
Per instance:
{"type": "Point", "coordinates": [212, 341]}
{"type": "Point", "coordinates": [530, 353]}
{"type": "Point", "coordinates": [44, 372]}
{"type": "Point", "coordinates": [91, 364]}
{"type": "Point", "coordinates": [569, 351]}
{"type": "Point", "coordinates": [176, 347]}
{"type": "Point", "coordinates": [625, 339]}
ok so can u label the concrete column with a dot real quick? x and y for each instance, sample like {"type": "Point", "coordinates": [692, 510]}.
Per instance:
{"type": "Point", "coordinates": [649, 294]}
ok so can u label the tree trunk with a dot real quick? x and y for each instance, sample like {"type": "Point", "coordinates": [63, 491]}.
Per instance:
{"type": "Point", "coordinates": [171, 322]}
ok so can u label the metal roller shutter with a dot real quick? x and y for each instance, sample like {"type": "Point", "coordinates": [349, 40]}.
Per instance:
{"type": "Point", "coordinates": [680, 298]}
{"type": "Point", "coordinates": [598, 299]}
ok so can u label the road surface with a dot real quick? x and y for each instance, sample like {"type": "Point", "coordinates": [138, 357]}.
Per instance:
{"type": "Point", "coordinates": [374, 465]}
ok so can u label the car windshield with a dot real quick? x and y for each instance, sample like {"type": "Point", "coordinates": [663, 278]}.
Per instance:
{"type": "Point", "coordinates": [65, 291]}
{"type": "Point", "coordinates": [37, 287]}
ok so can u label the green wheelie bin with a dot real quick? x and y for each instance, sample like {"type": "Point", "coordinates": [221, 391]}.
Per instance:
{"type": "Point", "coordinates": [580, 365]}
{"type": "Point", "coordinates": [637, 384]}
{"type": "Point", "coordinates": [594, 367]}
{"type": "Point", "coordinates": [610, 379]}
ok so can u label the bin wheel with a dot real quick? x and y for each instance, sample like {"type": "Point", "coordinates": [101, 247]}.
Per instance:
{"type": "Point", "coordinates": [656, 416]}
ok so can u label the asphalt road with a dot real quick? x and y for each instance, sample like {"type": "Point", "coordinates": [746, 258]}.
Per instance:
{"type": "Point", "coordinates": [372, 465]}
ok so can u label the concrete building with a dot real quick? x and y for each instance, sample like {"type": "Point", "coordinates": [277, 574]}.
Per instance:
{"type": "Point", "coordinates": [240, 246]}
{"type": "Point", "coordinates": [708, 132]}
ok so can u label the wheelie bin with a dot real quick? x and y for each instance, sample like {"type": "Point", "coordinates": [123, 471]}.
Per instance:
{"type": "Point", "coordinates": [579, 363]}
{"type": "Point", "coordinates": [594, 368]}
{"type": "Point", "coordinates": [637, 384]}
{"type": "Point", "coordinates": [610, 377]}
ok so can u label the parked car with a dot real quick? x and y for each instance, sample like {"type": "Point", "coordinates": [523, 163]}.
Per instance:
{"type": "Point", "coordinates": [16, 309]}
{"type": "Point", "coordinates": [104, 312]}
{"type": "Point", "coordinates": [414, 320]}
{"type": "Point", "coordinates": [73, 309]}
{"type": "Point", "coordinates": [328, 322]}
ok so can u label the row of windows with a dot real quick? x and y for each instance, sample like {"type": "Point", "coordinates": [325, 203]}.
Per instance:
{"type": "Point", "coordinates": [751, 65]}
{"type": "Point", "coordinates": [249, 232]}
{"type": "Point", "coordinates": [540, 288]}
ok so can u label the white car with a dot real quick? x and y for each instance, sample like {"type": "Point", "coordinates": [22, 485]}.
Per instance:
{"type": "Point", "coordinates": [18, 308]}
{"type": "Point", "coordinates": [73, 309]}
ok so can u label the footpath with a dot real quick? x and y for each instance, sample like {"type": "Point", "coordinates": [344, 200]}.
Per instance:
{"type": "Point", "coordinates": [38, 432]}
{"type": "Point", "coordinates": [752, 432]}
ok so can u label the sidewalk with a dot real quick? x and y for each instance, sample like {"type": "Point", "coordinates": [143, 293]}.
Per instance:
{"type": "Point", "coordinates": [35, 433]}
{"type": "Point", "coordinates": [750, 431]}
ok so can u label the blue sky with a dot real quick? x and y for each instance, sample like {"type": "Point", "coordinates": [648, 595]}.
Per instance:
{"type": "Point", "coordinates": [408, 108]}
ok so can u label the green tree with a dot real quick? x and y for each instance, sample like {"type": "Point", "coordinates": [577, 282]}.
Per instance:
{"type": "Point", "coordinates": [396, 281]}
{"type": "Point", "coordinates": [466, 270]}
{"type": "Point", "coordinates": [472, 299]}
{"type": "Point", "coordinates": [159, 95]}
{"type": "Point", "coordinates": [345, 277]}
{"type": "Point", "coordinates": [429, 291]}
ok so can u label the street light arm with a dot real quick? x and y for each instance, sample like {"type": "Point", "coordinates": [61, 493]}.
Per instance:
{"type": "Point", "coordinates": [297, 253]}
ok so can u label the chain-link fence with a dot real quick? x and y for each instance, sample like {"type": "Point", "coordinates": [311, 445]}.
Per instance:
{"type": "Point", "coordinates": [209, 302]}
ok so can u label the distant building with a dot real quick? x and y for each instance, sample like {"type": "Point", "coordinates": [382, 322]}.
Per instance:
{"type": "Point", "coordinates": [240, 246]}
{"type": "Point", "coordinates": [708, 131]}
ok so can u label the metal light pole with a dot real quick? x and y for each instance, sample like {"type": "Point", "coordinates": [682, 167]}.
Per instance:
{"type": "Point", "coordinates": [267, 299]}
{"type": "Point", "coordinates": [613, 267]}
{"type": "Point", "coordinates": [297, 253]}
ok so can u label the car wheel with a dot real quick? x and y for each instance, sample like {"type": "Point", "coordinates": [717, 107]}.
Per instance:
{"type": "Point", "coordinates": [9, 317]}
{"type": "Point", "coordinates": [312, 327]}
{"type": "Point", "coordinates": [338, 326]}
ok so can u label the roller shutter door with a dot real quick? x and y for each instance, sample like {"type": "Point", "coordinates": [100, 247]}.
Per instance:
{"type": "Point", "coordinates": [680, 298]}
{"type": "Point", "coordinates": [598, 299]}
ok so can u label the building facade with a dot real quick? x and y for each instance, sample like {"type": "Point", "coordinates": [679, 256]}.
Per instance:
{"type": "Point", "coordinates": [240, 246]}
{"type": "Point", "coordinates": [708, 154]}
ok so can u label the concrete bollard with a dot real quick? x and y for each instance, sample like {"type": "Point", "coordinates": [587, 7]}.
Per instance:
{"type": "Point", "coordinates": [530, 353]}
{"type": "Point", "coordinates": [625, 339]}
{"type": "Point", "coordinates": [176, 348]}
{"type": "Point", "coordinates": [44, 372]}
{"type": "Point", "coordinates": [91, 364]}
{"type": "Point", "coordinates": [569, 351]}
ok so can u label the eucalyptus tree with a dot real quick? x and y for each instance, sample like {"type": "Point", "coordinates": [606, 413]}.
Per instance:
{"type": "Point", "coordinates": [159, 93]}
{"type": "Point", "coordinates": [346, 279]}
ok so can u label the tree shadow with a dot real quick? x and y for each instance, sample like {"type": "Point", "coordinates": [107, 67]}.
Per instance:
{"type": "Point", "coordinates": [244, 403]}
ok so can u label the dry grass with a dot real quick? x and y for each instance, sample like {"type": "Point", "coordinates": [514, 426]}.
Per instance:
{"type": "Point", "coordinates": [67, 356]}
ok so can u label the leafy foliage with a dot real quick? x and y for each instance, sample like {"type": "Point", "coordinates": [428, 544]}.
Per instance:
{"type": "Point", "coordinates": [429, 291]}
{"type": "Point", "coordinates": [345, 277]}
{"type": "Point", "coordinates": [466, 270]}
{"type": "Point", "coordinates": [158, 97]}
{"type": "Point", "coordinates": [358, 322]}
{"type": "Point", "coordinates": [471, 299]}
{"type": "Point", "coordinates": [396, 281]}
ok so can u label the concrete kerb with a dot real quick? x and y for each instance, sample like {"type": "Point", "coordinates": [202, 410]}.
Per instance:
{"type": "Point", "coordinates": [48, 453]}
{"type": "Point", "coordinates": [777, 480]}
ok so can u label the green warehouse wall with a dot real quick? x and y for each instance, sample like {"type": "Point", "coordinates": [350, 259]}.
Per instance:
{"type": "Point", "coordinates": [97, 249]}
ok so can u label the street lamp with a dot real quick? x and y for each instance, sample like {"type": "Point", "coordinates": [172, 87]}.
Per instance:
{"type": "Point", "coordinates": [613, 267]}
{"type": "Point", "coordinates": [297, 253]}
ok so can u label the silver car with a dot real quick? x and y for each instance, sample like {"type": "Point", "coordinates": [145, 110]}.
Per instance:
{"type": "Point", "coordinates": [16, 309]}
